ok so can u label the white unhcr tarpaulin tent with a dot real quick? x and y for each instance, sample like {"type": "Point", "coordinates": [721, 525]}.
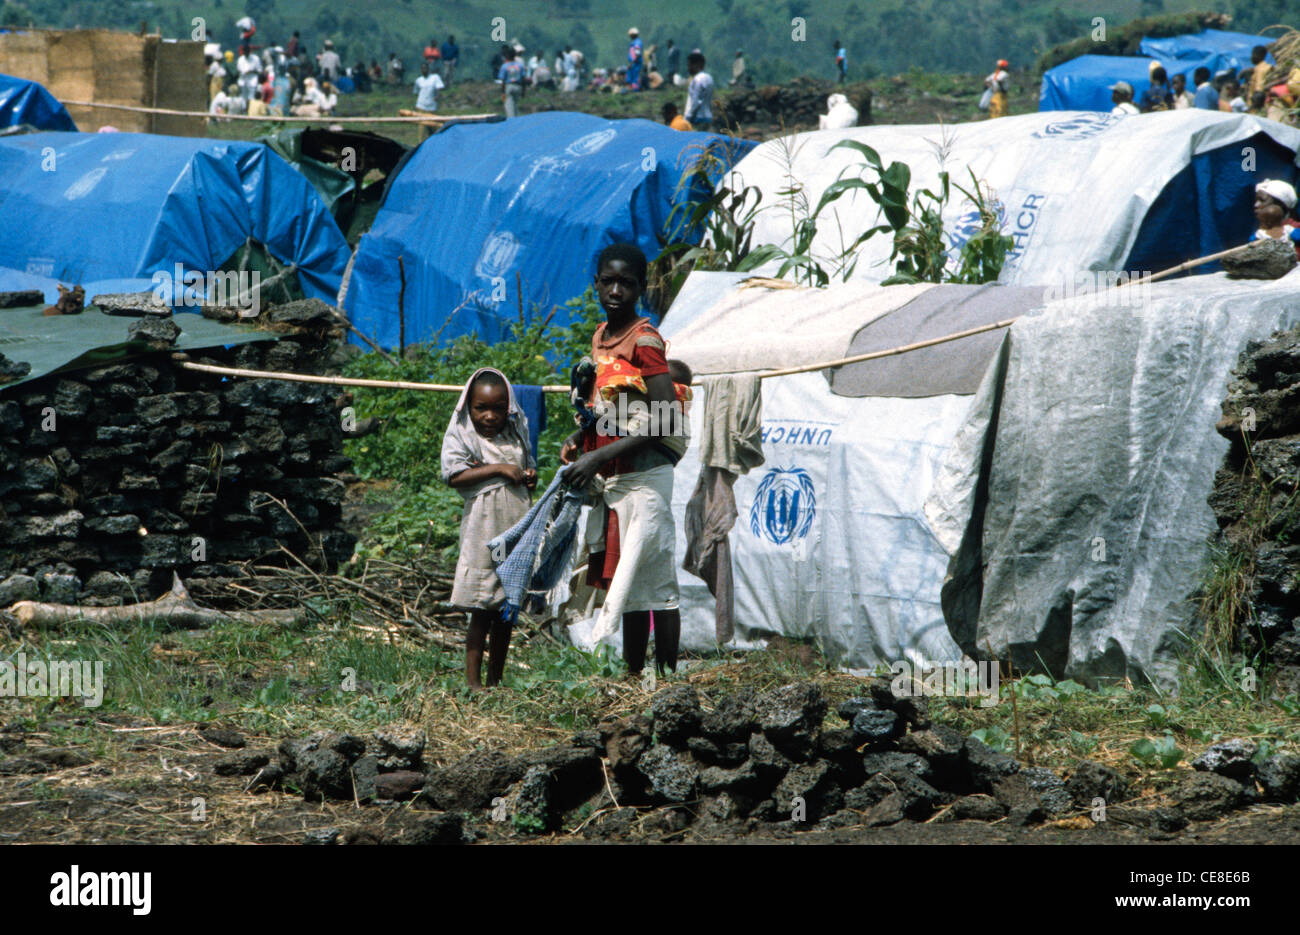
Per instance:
{"type": "Point", "coordinates": [1078, 190]}
{"type": "Point", "coordinates": [850, 562]}
{"type": "Point", "coordinates": [1053, 511]}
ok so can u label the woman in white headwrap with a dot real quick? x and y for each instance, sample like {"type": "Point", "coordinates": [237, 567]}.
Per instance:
{"type": "Point", "coordinates": [1274, 202]}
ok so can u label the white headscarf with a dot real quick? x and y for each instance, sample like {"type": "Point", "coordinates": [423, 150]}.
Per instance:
{"type": "Point", "coordinates": [462, 447]}
{"type": "Point", "coordinates": [1280, 190]}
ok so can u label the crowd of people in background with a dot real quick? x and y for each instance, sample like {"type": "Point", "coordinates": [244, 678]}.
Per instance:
{"type": "Point", "coordinates": [1246, 91]}
{"type": "Point", "coordinates": [1222, 92]}
{"type": "Point", "coordinates": [279, 79]}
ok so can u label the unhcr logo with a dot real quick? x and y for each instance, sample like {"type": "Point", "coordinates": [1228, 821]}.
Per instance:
{"type": "Point", "coordinates": [192, 288]}
{"type": "Point", "coordinates": [498, 255]}
{"type": "Point", "coordinates": [784, 505]}
{"type": "Point", "coordinates": [1076, 128]}
{"type": "Point", "coordinates": [971, 223]}
{"type": "Point", "coordinates": [591, 143]}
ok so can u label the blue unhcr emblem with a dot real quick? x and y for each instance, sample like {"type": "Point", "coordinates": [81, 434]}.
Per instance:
{"type": "Point", "coordinates": [784, 505]}
{"type": "Point", "coordinates": [1079, 127]}
{"type": "Point", "coordinates": [971, 223]}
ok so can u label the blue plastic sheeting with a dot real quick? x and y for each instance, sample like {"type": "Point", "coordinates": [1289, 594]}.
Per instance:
{"type": "Point", "coordinates": [537, 196]}
{"type": "Point", "coordinates": [1209, 205]}
{"type": "Point", "coordinates": [23, 101]}
{"type": "Point", "coordinates": [1228, 49]}
{"type": "Point", "coordinates": [1083, 83]}
{"type": "Point", "coordinates": [108, 210]}
{"type": "Point", "coordinates": [532, 401]}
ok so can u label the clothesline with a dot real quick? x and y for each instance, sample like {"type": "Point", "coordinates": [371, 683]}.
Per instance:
{"type": "Point", "coordinates": [269, 118]}
{"type": "Point", "coordinates": [456, 388]}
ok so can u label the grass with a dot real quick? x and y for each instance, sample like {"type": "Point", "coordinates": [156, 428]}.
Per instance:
{"type": "Point", "coordinates": [1060, 722]}
{"type": "Point", "coordinates": [275, 682]}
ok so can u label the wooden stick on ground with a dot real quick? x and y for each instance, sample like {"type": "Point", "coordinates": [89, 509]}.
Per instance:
{"type": "Point", "coordinates": [176, 607]}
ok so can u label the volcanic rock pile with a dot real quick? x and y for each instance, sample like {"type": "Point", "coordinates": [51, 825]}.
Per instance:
{"type": "Point", "coordinates": [755, 759]}
{"type": "Point", "coordinates": [114, 477]}
{"type": "Point", "coordinates": [1254, 500]}
{"type": "Point", "coordinates": [798, 103]}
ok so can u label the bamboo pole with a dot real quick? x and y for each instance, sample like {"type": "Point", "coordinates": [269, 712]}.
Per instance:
{"type": "Point", "coordinates": [893, 351]}
{"type": "Point", "coordinates": [337, 381]}
{"type": "Point", "coordinates": [448, 387]}
{"type": "Point", "coordinates": [271, 118]}
{"type": "Point", "coordinates": [1185, 265]}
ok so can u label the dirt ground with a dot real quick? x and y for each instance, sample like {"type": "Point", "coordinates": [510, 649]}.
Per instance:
{"type": "Point", "coordinates": [131, 784]}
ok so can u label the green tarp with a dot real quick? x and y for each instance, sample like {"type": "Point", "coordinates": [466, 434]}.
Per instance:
{"type": "Point", "coordinates": [338, 164]}
{"type": "Point", "coordinates": [91, 339]}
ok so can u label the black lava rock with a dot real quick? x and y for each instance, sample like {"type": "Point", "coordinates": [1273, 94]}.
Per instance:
{"type": "Point", "coordinates": [1207, 796]}
{"type": "Point", "coordinates": [1089, 781]}
{"type": "Point", "coordinates": [156, 331]}
{"type": "Point", "coordinates": [1279, 775]}
{"type": "Point", "coordinates": [672, 776]}
{"type": "Point", "coordinates": [473, 781]}
{"type": "Point", "coordinates": [790, 716]}
{"type": "Point", "coordinates": [943, 748]}
{"type": "Point", "coordinates": [984, 766]}
{"type": "Point", "coordinates": [877, 727]}
{"type": "Point", "coordinates": [675, 712]}
{"type": "Point", "coordinates": [1230, 758]}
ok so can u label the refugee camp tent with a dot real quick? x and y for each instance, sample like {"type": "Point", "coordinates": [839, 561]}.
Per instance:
{"type": "Point", "coordinates": [1038, 491]}
{"type": "Point", "coordinates": [1084, 83]}
{"type": "Point", "coordinates": [26, 102]}
{"type": "Point", "coordinates": [851, 562]}
{"type": "Point", "coordinates": [109, 210]}
{"type": "Point", "coordinates": [1229, 50]}
{"type": "Point", "coordinates": [536, 197]}
{"type": "Point", "coordinates": [1090, 520]}
{"type": "Point", "coordinates": [1076, 191]}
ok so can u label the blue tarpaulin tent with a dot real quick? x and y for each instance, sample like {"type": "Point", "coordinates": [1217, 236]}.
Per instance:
{"type": "Point", "coordinates": [1229, 49]}
{"type": "Point", "coordinates": [1083, 83]}
{"type": "Point", "coordinates": [536, 196]}
{"type": "Point", "coordinates": [23, 101]}
{"type": "Point", "coordinates": [108, 210]}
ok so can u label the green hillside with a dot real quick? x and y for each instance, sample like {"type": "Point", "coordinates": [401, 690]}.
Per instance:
{"type": "Point", "coordinates": [882, 36]}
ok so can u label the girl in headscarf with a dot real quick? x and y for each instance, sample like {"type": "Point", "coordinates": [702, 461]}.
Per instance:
{"type": "Point", "coordinates": [486, 457]}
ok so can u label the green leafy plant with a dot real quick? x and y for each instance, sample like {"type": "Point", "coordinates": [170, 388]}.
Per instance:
{"type": "Point", "coordinates": [921, 247]}
{"type": "Point", "coordinates": [1157, 715]}
{"type": "Point", "coordinates": [995, 737]}
{"type": "Point", "coordinates": [915, 221]}
{"type": "Point", "coordinates": [1163, 752]}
